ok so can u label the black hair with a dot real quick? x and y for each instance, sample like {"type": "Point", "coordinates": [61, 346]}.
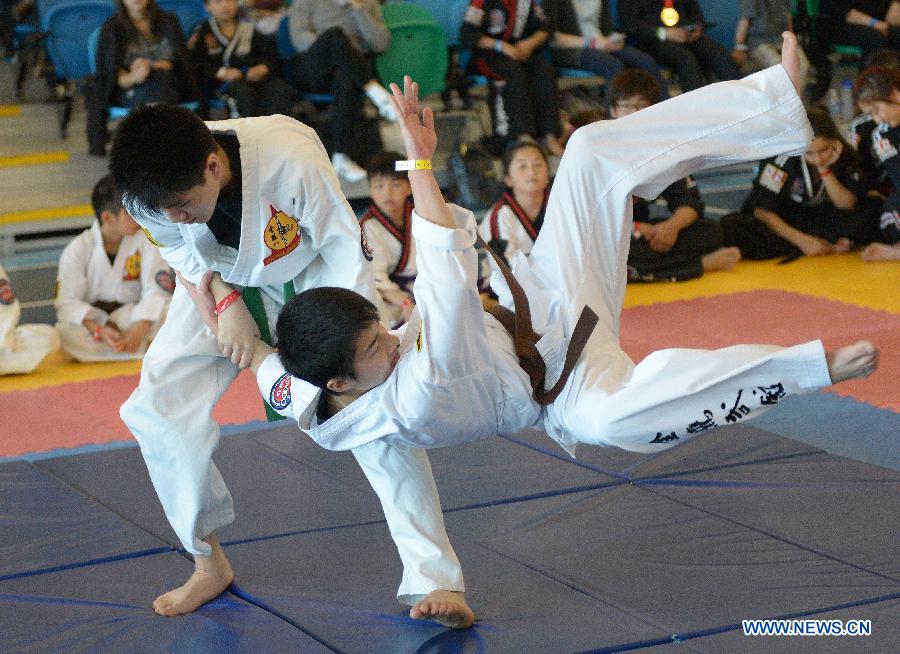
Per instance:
{"type": "Point", "coordinates": [317, 332]}
{"type": "Point", "coordinates": [381, 164]}
{"type": "Point", "coordinates": [510, 153]}
{"type": "Point", "coordinates": [106, 197]}
{"type": "Point", "coordinates": [158, 152]}
{"type": "Point", "coordinates": [152, 11]}
{"type": "Point", "coordinates": [823, 126]}
{"type": "Point", "coordinates": [875, 84]}
{"type": "Point", "coordinates": [633, 82]}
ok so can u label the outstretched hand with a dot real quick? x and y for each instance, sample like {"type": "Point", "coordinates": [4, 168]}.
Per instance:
{"type": "Point", "coordinates": [418, 134]}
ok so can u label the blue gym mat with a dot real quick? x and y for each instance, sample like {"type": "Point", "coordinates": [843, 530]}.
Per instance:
{"type": "Point", "coordinates": [609, 552]}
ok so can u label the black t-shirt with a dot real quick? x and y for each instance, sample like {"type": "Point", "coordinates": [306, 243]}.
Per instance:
{"type": "Point", "coordinates": [840, 8]}
{"type": "Point", "coordinates": [784, 188]}
{"type": "Point", "coordinates": [225, 223]}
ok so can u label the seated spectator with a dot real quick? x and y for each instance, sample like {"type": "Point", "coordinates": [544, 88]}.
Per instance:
{"type": "Point", "coordinates": [387, 225]}
{"type": "Point", "coordinates": [113, 286]}
{"type": "Point", "coordinates": [866, 24]}
{"type": "Point", "coordinates": [141, 59]}
{"type": "Point", "coordinates": [513, 223]}
{"type": "Point", "coordinates": [757, 36]}
{"type": "Point", "coordinates": [584, 38]}
{"type": "Point", "coordinates": [335, 40]}
{"type": "Point", "coordinates": [683, 245]}
{"type": "Point", "coordinates": [673, 33]}
{"type": "Point", "coordinates": [235, 62]}
{"type": "Point", "coordinates": [505, 38]}
{"type": "Point", "coordinates": [877, 92]}
{"type": "Point", "coordinates": [22, 347]}
{"type": "Point", "coordinates": [811, 204]}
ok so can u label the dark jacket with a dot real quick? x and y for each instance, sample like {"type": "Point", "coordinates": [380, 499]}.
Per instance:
{"type": "Point", "coordinates": [640, 18]}
{"type": "Point", "coordinates": [564, 19]}
{"type": "Point", "coordinates": [208, 53]}
{"type": "Point", "coordinates": [497, 19]}
{"type": "Point", "coordinates": [683, 193]}
{"type": "Point", "coordinates": [114, 43]}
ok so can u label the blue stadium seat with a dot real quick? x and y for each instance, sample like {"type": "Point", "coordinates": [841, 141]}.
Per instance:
{"type": "Point", "coordinates": [69, 24]}
{"type": "Point", "coordinates": [189, 12]}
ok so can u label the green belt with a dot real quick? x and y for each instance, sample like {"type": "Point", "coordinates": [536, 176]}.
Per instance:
{"type": "Point", "coordinates": [253, 301]}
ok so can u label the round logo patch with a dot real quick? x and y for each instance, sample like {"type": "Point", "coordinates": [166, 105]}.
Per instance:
{"type": "Point", "coordinates": [364, 244]}
{"type": "Point", "coordinates": [280, 395]}
{"type": "Point", "coordinates": [165, 279]}
{"type": "Point", "coordinates": [6, 293]}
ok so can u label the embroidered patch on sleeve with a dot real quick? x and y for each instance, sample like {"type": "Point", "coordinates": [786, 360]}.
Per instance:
{"type": "Point", "coordinates": [165, 279]}
{"type": "Point", "coordinates": [280, 395]}
{"type": "Point", "coordinates": [364, 244]}
{"type": "Point", "coordinates": [281, 235]}
{"type": "Point", "coordinates": [884, 149]}
{"type": "Point", "coordinates": [474, 15]}
{"type": "Point", "coordinates": [773, 178]}
{"type": "Point", "coordinates": [6, 293]}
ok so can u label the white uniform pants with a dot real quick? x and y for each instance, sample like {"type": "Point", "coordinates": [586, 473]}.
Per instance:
{"type": "Point", "coordinates": [583, 248]}
{"type": "Point", "coordinates": [182, 378]}
{"type": "Point", "coordinates": [80, 343]}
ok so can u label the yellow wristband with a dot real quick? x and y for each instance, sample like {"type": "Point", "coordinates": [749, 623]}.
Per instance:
{"type": "Point", "coordinates": [412, 164]}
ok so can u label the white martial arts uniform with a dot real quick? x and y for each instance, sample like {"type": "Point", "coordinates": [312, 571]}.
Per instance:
{"type": "Point", "coordinates": [138, 279]}
{"type": "Point", "coordinates": [393, 253]}
{"type": "Point", "coordinates": [22, 347]}
{"type": "Point", "coordinates": [458, 377]}
{"type": "Point", "coordinates": [507, 224]}
{"type": "Point", "coordinates": [296, 226]}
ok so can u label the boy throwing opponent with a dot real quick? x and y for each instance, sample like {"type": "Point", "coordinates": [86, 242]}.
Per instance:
{"type": "Point", "coordinates": [454, 373]}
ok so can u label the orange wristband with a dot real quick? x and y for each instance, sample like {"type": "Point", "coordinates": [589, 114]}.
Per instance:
{"type": "Point", "coordinates": [226, 302]}
{"type": "Point", "coordinates": [825, 173]}
{"type": "Point", "coordinates": [97, 331]}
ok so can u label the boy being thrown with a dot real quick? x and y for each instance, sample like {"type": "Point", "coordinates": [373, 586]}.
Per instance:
{"type": "Point", "coordinates": [453, 375]}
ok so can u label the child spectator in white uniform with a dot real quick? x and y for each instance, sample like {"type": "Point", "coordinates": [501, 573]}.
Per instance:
{"type": "Point", "coordinates": [387, 227]}
{"type": "Point", "coordinates": [113, 286]}
{"type": "Point", "coordinates": [22, 347]}
{"type": "Point", "coordinates": [513, 223]}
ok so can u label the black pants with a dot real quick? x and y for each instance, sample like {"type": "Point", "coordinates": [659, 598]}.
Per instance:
{"type": "Point", "coordinates": [692, 61]}
{"type": "Point", "coordinates": [270, 95]}
{"type": "Point", "coordinates": [865, 37]}
{"type": "Point", "coordinates": [756, 241]}
{"type": "Point", "coordinates": [333, 65]}
{"type": "Point", "coordinates": [683, 261]}
{"type": "Point", "coordinates": [524, 99]}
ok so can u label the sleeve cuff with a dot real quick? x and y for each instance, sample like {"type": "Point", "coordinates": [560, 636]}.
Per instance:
{"type": "Point", "coordinates": [287, 395]}
{"type": "Point", "coordinates": [459, 238]}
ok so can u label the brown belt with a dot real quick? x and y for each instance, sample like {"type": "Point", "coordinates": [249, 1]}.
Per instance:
{"type": "Point", "coordinates": [518, 325]}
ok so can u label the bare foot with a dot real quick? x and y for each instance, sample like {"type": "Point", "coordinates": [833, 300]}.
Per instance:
{"type": "Point", "coordinates": [721, 259]}
{"type": "Point", "coordinates": [855, 361]}
{"type": "Point", "coordinates": [790, 59]}
{"type": "Point", "coordinates": [881, 252]}
{"type": "Point", "coordinates": [445, 607]}
{"type": "Point", "coordinates": [212, 575]}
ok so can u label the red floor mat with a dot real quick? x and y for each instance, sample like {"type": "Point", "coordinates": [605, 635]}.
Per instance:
{"type": "Point", "coordinates": [72, 415]}
{"type": "Point", "coordinates": [776, 317]}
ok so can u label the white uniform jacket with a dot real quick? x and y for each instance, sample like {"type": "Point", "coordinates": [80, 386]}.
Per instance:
{"type": "Point", "coordinates": [387, 245]}
{"type": "Point", "coordinates": [507, 222]}
{"type": "Point", "coordinates": [458, 378]}
{"type": "Point", "coordinates": [138, 276]}
{"type": "Point", "coordinates": [295, 222]}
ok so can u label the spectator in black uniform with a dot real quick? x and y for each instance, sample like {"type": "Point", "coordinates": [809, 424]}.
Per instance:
{"type": "Point", "coordinates": [810, 204]}
{"type": "Point", "coordinates": [236, 63]}
{"type": "Point", "coordinates": [877, 91]}
{"type": "Point", "coordinates": [684, 244]}
{"type": "Point", "coordinates": [505, 36]}
{"type": "Point", "coordinates": [866, 24]}
{"type": "Point", "coordinates": [672, 31]}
